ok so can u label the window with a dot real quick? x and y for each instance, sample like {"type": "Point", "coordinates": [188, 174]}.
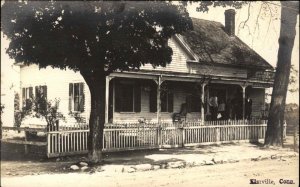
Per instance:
{"type": "Point", "coordinates": [193, 103]}
{"type": "Point", "coordinates": [166, 98]}
{"type": "Point", "coordinates": [27, 96]}
{"type": "Point", "coordinates": [41, 97]}
{"type": "Point", "coordinates": [76, 97]}
{"type": "Point", "coordinates": [127, 97]}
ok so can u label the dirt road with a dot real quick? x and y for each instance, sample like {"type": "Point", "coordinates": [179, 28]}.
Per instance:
{"type": "Point", "coordinates": [231, 174]}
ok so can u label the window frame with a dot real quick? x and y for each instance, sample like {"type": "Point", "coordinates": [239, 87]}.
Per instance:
{"type": "Point", "coordinates": [76, 97]}
{"type": "Point", "coordinates": [166, 97]}
{"type": "Point", "coordinates": [119, 97]}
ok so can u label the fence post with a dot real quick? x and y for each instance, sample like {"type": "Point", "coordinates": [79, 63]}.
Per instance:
{"type": "Point", "coordinates": [159, 129]}
{"type": "Point", "coordinates": [284, 131]}
{"type": "Point", "coordinates": [217, 134]}
{"type": "Point", "coordinates": [26, 146]}
{"type": "Point", "coordinates": [183, 136]}
{"type": "Point", "coordinates": [48, 143]}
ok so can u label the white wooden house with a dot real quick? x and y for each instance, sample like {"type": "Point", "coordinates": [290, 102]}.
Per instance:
{"type": "Point", "coordinates": [208, 60]}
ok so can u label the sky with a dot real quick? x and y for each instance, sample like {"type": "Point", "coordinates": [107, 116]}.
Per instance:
{"type": "Point", "coordinates": [262, 37]}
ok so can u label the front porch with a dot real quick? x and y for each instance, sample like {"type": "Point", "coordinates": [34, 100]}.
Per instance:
{"type": "Point", "coordinates": [133, 98]}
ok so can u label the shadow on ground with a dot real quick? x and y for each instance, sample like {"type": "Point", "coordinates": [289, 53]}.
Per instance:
{"type": "Point", "coordinates": [14, 161]}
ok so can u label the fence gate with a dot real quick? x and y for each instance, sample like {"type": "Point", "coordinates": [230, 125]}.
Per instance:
{"type": "Point", "coordinates": [171, 136]}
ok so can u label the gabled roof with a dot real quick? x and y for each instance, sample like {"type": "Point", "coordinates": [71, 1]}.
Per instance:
{"type": "Point", "coordinates": [213, 45]}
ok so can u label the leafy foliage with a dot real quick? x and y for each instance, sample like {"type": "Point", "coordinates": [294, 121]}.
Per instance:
{"type": "Point", "coordinates": [17, 113]}
{"type": "Point", "coordinates": [204, 5]}
{"type": "Point", "coordinates": [78, 117]}
{"type": "Point", "coordinates": [49, 111]}
{"type": "Point", "coordinates": [294, 74]}
{"type": "Point", "coordinates": [92, 35]}
{"type": "Point", "coordinates": [1, 112]}
{"type": "Point", "coordinates": [95, 38]}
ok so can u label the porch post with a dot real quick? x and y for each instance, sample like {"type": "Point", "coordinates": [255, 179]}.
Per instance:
{"type": "Point", "coordinates": [202, 102]}
{"type": "Point", "coordinates": [158, 100]}
{"type": "Point", "coordinates": [244, 97]}
{"type": "Point", "coordinates": [106, 97]}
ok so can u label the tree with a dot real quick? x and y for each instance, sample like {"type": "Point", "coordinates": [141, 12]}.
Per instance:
{"type": "Point", "coordinates": [289, 13]}
{"type": "Point", "coordinates": [94, 38]}
{"type": "Point", "coordinates": [274, 134]}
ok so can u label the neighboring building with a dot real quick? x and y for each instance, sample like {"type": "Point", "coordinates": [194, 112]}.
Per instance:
{"type": "Point", "coordinates": [210, 60]}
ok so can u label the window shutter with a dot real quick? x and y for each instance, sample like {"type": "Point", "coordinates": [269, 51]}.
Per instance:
{"type": "Point", "coordinates": [45, 91]}
{"type": "Point", "coordinates": [137, 98]}
{"type": "Point", "coordinates": [23, 94]}
{"type": "Point", "coordinates": [110, 109]}
{"type": "Point", "coordinates": [152, 99]}
{"type": "Point", "coordinates": [70, 96]}
{"type": "Point", "coordinates": [36, 91]}
{"type": "Point", "coordinates": [30, 92]}
{"type": "Point", "coordinates": [170, 102]}
{"type": "Point", "coordinates": [82, 97]}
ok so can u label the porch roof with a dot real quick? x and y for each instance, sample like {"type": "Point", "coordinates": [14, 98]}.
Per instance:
{"type": "Point", "coordinates": [213, 45]}
{"type": "Point", "coordinates": [186, 77]}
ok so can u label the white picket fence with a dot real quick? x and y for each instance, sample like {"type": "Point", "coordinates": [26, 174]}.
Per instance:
{"type": "Point", "coordinates": [67, 140]}
{"type": "Point", "coordinates": [119, 137]}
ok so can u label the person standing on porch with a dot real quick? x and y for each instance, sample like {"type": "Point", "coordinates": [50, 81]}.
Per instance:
{"type": "Point", "coordinates": [248, 108]}
{"type": "Point", "coordinates": [213, 105]}
{"type": "Point", "coordinates": [221, 109]}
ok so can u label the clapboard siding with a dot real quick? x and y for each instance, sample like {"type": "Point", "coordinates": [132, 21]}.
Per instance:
{"type": "Point", "coordinates": [258, 99]}
{"type": "Point", "coordinates": [178, 63]}
{"type": "Point", "coordinates": [57, 82]}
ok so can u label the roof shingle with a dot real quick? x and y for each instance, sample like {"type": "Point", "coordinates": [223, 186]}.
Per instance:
{"type": "Point", "coordinates": [212, 44]}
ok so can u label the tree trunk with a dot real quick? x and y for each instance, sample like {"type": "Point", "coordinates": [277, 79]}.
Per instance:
{"type": "Point", "coordinates": [96, 83]}
{"type": "Point", "coordinates": [286, 43]}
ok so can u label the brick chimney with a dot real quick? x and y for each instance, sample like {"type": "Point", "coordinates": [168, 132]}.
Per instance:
{"type": "Point", "coordinates": [230, 22]}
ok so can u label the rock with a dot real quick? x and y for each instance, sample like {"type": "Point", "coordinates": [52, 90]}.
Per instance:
{"type": "Point", "coordinates": [143, 167]}
{"type": "Point", "coordinates": [210, 162]}
{"type": "Point", "coordinates": [58, 159]}
{"type": "Point", "coordinates": [100, 169]}
{"type": "Point", "coordinates": [74, 167]}
{"type": "Point", "coordinates": [130, 170]}
{"type": "Point", "coordinates": [84, 168]}
{"type": "Point", "coordinates": [256, 159]}
{"type": "Point", "coordinates": [232, 161]}
{"type": "Point", "coordinates": [156, 167]}
{"type": "Point", "coordinates": [178, 164]}
{"type": "Point", "coordinates": [217, 161]}
{"type": "Point", "coordinates": [8, 173]}
{"type": "Point", "coordinates": [273, 157]}
{"type": "Point", "coordinates": [199, 163]}
{"type": "Point", "coordinates": [292, 155]}
{"type": "Point", "coordinates": [190, 164]}
{"type": "Point", "coordinates": [83, 164]}
{"type": "Point", "coordinates": [163, 166]}
{"type": "Point", "coordinates": [264, 158]}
